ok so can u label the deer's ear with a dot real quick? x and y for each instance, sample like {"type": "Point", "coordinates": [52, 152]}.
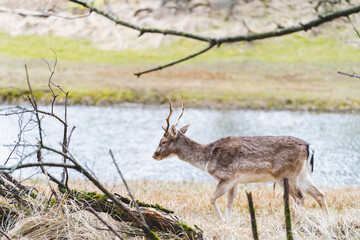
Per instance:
{"type": "Point", "coordinates": [184, 128]}
{"type": "Point", "coordinates": [173, 131]}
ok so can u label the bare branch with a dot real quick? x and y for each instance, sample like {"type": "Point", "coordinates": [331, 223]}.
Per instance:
{"type": "Point", "coordinates": [89, 176]}
{"type": "Point", "coordinates": [52, 115]}
{"type": "Point", "coordinates": [41, 13]}
{"type": "Point", "coordinates": [34, 104]}
{"type": "Point", "coordinates": [211, 45]}
{"type": "Point", "coordinates": [17, 184]}
{"type": "Point", "coordinates": [140, 29]}
{"type": "Point", "coordinates": [126, 232]}
{"type": "Point", "coordinates": [5, 235]}
{"type": "Point", "coordinates": [90, 209]}
{"type": "Point", "coordinates": [12, 191]}
{"type": "Point", "coordinates": [52, 72]}
{"type": "Point", "coordinates": [355, 29]}
{"type": "Point", "coordinates": [218, 41]}
{"type": "Point", "coordinates": [349, 74]}
{"type": "Point", "coordinates": [23, 13]}
{"type": "Point", "coordinates": [280, 31]}
{"type": "Point", "coordinates": [37, 164]}
{"type": "Point", "coordinates": [127, 186]}
{"type": "Point", "coordinates": [46, 13]}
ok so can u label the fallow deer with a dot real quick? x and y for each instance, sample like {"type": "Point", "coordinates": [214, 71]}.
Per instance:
{"type": "Point", "coordinates": [234, 160]}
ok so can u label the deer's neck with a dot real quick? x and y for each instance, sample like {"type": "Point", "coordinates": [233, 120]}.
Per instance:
{"type": "Point", "coordinates": [191, 152]}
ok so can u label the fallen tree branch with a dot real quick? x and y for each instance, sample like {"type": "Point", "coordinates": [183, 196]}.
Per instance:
{"type": "Point", "coordinates": [119, 208]}
{"type": "Point", "coordinates": [4, 234]}
{"type": "Point", "coordinates": [89, 176]}
{"type": "Point", "coordinates": [19, 185]}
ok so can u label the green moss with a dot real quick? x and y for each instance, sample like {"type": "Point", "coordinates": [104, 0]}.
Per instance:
{"type": "Point", "coordinates": [143, 204]}
{"type": "Point", "coordinates": [102, 198]}
{"type": "Point", "coordinates": [10, 94]}
{"type": "Point", "coordinates": [152, 235]}
{"type": "Point", "coordinates": [191, 232]}
{"type": "Point", "coordinates": [185, 227]}
{"type": "Point", "coordinates": [88, 196]}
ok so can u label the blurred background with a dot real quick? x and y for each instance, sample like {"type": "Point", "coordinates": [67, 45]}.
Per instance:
{"type": "Point", "coordinates": [97, 58]}
{"type": "Point", "coordinates": [280, 86]}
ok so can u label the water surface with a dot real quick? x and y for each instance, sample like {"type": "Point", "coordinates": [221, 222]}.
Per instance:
{"type": "Point", "coordinates": [133, 133]}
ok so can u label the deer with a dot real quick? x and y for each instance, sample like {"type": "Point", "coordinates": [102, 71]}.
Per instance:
{"type": "Point", "coordinates": [241, 159]}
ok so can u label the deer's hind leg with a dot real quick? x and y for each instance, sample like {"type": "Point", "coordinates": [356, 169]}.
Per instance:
{"type": "Point", "coordinates": [221, 188]}
{"type": "Point", "coordinates": [230, 201]}
{"type": "Point", "coordinates": [294, 189]}
{"type": "Point", "coordinates": [307, 185]}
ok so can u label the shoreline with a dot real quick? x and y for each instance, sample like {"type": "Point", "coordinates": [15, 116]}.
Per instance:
{"type": "Point", "coordinates": [111, 100]}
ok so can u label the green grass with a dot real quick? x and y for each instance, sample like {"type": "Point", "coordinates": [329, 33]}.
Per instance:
{"type": "Point", "coordinates": [292, 72]}
{"type": "Point", "coordinates": [296, 48]}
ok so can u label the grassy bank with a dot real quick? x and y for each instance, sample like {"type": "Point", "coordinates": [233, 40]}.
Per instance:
{"type": "Point", "coordinates": [190, 201]}
{"type": "Point", "coordinates": [293, 72]}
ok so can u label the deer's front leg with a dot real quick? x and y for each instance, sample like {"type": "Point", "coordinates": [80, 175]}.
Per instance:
{"type": "Point", "coordinates": [221, 188]}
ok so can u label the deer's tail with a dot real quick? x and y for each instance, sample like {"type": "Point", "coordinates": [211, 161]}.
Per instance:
{"type": "Point", "coordinates": [310, 158]}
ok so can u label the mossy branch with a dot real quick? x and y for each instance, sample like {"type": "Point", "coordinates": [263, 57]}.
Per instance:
{"type": "Point", "coordinates": [218, 41]}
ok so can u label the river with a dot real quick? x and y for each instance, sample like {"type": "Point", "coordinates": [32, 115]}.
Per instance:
{"type": "Point", "coordinates": [133, 133]}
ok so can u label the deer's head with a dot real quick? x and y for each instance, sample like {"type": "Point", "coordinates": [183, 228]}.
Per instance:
{"type": "Point", "coordinates": [168, 144]}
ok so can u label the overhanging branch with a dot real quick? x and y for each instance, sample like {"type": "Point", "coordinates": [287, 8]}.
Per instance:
{"type": "Point", "coordinates": [354, 75]}
{"type": "Point", "coordinates": [211, 45]}
{"type": "Point", "coordinates": [218, 41]}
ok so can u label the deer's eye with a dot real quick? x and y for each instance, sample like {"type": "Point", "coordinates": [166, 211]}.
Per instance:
{"type": "Point", "coordinates": [163, 143]}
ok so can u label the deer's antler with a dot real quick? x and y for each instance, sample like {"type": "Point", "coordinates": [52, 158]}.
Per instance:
{"type": "Point", "coordinates": [168, 119]}
{"type": "Point", "coordinates": [182, 111]}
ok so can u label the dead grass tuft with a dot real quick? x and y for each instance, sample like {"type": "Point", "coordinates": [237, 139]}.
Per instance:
{"type": "Point", "coordinates": [65, 222]}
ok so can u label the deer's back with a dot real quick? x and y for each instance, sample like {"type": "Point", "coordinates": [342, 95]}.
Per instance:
{"type": "Point", "coordinates": [263, 154]}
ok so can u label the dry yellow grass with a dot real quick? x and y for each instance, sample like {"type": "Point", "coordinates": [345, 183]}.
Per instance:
{"type": "Point", "coordinates": [190, 201]}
